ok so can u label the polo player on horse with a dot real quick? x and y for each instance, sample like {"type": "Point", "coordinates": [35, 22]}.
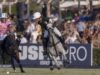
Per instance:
{"type": "Point", "coordinates": [38, 20]}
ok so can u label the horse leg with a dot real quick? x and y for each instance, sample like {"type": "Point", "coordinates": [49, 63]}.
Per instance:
{"type": "Point", "coordinates": [56, 62]}
{"type": "Point", "coordinates": [3, 57]}
{"type": "Point", "coordinates": [53, 58]}
{"type": "Point", "coordinates": [12, 63]}
{"type": "Point", "coordinates": [51, 63]}
{"type": "Point", "coordinates": [18, 61]}
{"type": "Point", "coordinates": [65, 60]}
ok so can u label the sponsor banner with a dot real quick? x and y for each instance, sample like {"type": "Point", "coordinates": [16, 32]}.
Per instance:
{"type": "Point", "coordinates": [79, 55]}
{"type": "Point", "coordinates": [5, 66]}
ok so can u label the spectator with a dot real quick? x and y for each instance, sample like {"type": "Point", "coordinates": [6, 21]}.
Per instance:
{"type": "Point", "coordinates": [23, 39]}
{"type": "Point", "coordinates": [36, 35]}
{"type": "Point", "coordinates": [29, 28]}
{"type": "Point", "coordinates": [3, 26]}
{"type": "Point", "coordinates": [76, 17]}
{"type": "Point", "coordinates": [80, 28]}
{"type": "Point", "coordinates": [73, 37]}
{"type": "Point", "coordinates": [37, 32]}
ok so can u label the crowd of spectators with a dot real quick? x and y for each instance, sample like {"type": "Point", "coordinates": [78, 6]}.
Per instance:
{"type": "Point", "coordinates": [84, 32]}
{"type": "Point", "coordinates": [83, 27]}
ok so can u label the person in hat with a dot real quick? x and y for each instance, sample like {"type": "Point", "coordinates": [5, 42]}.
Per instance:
{"type": "Point", "coordinates": [37, 28]}
{"type": "Point", "coordinates": [32, 25]}
{"type": "Point", "coordinates": [40, 20]}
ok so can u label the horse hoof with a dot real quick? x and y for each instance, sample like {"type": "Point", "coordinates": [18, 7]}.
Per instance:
{"type": "Point", "coordinates": [58, 68]}
{"type": "Point", "coordinates": [51, 68]}
{"type": "Point", "coordinates": [22, 71]}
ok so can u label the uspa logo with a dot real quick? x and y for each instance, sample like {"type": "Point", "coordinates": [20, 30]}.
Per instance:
{"type": "Point", "coordinates": [75, 53]}
{"type": "Point", "coordinates": [79, 55]}
{"type": "Point", "coordinates": [32, 52]}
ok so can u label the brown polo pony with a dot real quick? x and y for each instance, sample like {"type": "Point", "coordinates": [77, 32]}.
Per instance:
{"type": "Point", "coordinates": [10, 46]}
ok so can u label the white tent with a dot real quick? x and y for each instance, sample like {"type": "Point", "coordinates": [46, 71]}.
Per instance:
{"type": "Point", "coordinates": [75, 3]}
{"type": "Point", "coordinates": [71, 3]}
{"type": "Point", "coordinates": [67, 4]}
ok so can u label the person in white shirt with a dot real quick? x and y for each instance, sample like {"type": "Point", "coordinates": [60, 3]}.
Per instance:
{"type": "Point", "coordinates": [23, 40]}
{"type": "Point", "coordinates": [73, 37]}
{"type": "Point", "coordinates": [30, 28]}
{"type": "Point", "coordinates": [36, 34]}
{"type": "Point", "coordinates": [37, 28]}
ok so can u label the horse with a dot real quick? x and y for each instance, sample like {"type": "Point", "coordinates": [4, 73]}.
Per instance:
{"type": "Point", "coordinates": [55, 49]}
{"type": "Point", "coordinates": [10, 46]}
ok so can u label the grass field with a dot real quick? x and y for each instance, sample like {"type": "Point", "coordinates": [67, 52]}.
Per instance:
{"type": "Point", "coordinates": [46, 71]}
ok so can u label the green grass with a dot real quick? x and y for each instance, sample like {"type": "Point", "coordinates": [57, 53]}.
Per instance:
{"type": "Point", "coordinates": [46, 71]}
